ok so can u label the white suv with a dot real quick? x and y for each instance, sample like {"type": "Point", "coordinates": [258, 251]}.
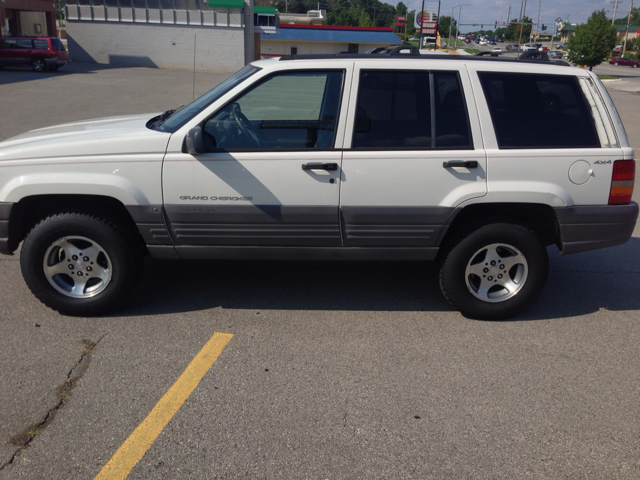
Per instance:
{"type": "Point", "coordinates": [330, 158]}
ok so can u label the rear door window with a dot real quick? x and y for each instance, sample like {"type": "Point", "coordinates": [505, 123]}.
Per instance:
{"type": "Point", "coordinates": [412, 110]}
{"type": "Point", "coordinates": [523, 105]}
{"type": "Point", "coordinates": [41, 45]}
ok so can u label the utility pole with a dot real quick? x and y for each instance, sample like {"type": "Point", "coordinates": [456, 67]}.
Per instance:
{"type": "Point", "coordinates": [509, 15]}
{"type": "Point", "coordinates": [615, 7]}
{"type": "Point", "coordinates": [626, 35]}
{"type": "Point", "coordinates": [435, 44]}
{"type": "Point", "coordinates": [538, 22]}
{"type": "Point", "coordinates": [524, 9]}
{"type": "Point", "coordinates": [420, 23]}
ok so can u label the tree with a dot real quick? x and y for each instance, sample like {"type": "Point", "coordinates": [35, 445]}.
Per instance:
{"type": "Point", "coordinates": [525, 26]}
{"type": "Point", "coordinates": [444, 22]}
{"type": "Point", "coordinates": [593, 41]}
{"type": "Point", "coordinates": [365, 19]}
{"type": "Point", "coordinates": [59, 6]}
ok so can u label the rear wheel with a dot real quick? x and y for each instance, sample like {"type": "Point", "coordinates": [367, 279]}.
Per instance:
{"type": "Point", "coordinates": [38, 64]}
{"type": "Point", "coordinates": [635, 65]}
{"type": "Point", "coordinates": [495, 271]}
{"type": "Point", "coordinates": [615, 64]}
{"type": "Point", "coordinates": [79, 264]}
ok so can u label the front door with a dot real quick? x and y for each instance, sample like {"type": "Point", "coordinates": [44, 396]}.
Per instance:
{"type": "Point", "coordinates": [415, 154]}
{"type": "Point", "coordinates": [271, 174]}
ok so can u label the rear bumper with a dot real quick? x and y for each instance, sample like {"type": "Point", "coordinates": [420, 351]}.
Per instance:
{"type": "Point", "coordinates": [591, 227]}
{"type": "Point", "coordinates": [56, 62]}
{"type": "Point", "coordinates": [5, 214]}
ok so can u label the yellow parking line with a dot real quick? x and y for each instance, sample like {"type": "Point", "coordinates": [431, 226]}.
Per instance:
{"type": "Point", "coordinates": [134, 447]}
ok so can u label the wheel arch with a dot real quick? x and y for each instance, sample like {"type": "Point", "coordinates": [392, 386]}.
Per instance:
{"type": "Point", "coordinates": [540, 218]}
{"type": "Point", "coordinates": [27, 212]}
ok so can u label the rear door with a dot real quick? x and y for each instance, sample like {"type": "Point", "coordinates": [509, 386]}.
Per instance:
{"type": "Point", "coordinates": [413, 152]}
{"type": "Point", "coordinates": [24, 51]}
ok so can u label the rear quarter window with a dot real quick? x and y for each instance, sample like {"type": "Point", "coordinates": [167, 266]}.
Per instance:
{"type": "Point", "coordinates": [522, 106]}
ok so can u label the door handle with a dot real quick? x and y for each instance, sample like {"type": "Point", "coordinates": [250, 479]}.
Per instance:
{"type": "Point", "coordinates": [330, 167]}
{"type": "Point", "coordinates": [460, 163]}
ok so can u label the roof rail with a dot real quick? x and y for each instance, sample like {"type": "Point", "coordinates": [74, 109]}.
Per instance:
{"type": "Point", "coordinates": [427, 56]}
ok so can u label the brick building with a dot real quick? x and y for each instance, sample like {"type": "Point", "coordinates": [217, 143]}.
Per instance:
{"type": "Point", "coordinates": [27, 17]}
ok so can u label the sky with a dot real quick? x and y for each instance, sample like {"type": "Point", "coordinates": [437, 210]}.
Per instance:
{"type": "Point", "coordinates": [577, 11]}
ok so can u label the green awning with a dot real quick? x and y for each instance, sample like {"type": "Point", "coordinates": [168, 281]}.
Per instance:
{"type": "Point", "coordinates": [227, 3]}
{"type": "Point", "coordinates": [270, 10]}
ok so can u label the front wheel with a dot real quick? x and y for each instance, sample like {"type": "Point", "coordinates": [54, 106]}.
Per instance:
{"type": "Point", "coordinates": [495, 271]}
{"type": "Point", "coordinates": [80, 264]}
{"type": "Point", "coordinates": [634, 65]}
{"type": "Point", "coordinates": [615, 64]}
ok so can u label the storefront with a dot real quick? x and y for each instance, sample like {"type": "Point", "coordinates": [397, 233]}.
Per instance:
{"type": "Point", "coordinates": [27, 18]}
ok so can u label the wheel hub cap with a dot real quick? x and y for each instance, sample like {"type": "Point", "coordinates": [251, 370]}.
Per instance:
{"type": "Point", "coordinates": [496, 273]}
{"type": "Point", "coordinates": [77, 267]}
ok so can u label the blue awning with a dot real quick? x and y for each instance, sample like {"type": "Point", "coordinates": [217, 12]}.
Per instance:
{"type": "Point", "coordinates": [328, 35]}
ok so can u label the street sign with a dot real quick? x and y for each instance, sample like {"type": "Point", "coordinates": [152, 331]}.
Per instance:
{"type": "Point", "coordinates": [401, 18]}
{"type": "Point", "coordinates": [424, 17]}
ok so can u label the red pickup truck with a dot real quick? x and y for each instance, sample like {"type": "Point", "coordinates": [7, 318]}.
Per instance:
{"type": "Point", "coordinates": [41, 53]}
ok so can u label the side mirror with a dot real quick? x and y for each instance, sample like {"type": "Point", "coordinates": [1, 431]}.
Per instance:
{"type": "Point", "coordinates": [195, 141]}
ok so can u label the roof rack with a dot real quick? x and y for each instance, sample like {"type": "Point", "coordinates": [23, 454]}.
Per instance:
{"type": "Point", "coordinates": [426, 56]}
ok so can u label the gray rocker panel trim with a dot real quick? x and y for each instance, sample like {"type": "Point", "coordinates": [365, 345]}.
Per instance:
{"type": "Point", "coordinates": [5, 214]}
{"type": "Point", "coordinates": [393, 226]}
{"type": "Point", "coordinates": [150, 222]}
{"type": "Point", "coordinates": [597, 226]}
{"type": "Point", "coordinates": [297, 253]}
{"type": "Point", "coordinates": [255, 225]}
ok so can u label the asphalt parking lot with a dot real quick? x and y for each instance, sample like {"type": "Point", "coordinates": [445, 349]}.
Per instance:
{"type": "Point", "coordinates": [353, 370]}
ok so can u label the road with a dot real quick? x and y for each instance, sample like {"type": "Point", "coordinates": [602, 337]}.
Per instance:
{"type": "Point", "coordinates": [334, 370]}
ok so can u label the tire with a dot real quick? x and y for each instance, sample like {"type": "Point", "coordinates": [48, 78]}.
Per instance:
{"type": "Point", "coordinates": [499, 294]}
{"type": "Point", "coordinates": [102, 275]}
{"type": "Point", "coordinates": [634, 65]}
{"type": "Point", "coordinates": [38, 64]}
{"type": "Point", "coordinates": [615, 64]}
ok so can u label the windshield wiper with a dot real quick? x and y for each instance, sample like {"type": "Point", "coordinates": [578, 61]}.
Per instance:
{"type": "Point", "coordinates": [166, 115]}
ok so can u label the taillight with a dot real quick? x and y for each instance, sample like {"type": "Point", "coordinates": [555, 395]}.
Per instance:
{"type": "Point", "coordinates": [624, 173]}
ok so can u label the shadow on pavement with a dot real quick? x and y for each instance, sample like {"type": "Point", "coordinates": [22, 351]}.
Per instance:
{"type": "Point", "coordinates": [578, 285]}
{"type": "Point", "coordinates": [26, 74]}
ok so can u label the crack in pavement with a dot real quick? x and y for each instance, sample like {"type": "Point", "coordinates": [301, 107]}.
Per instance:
{"type": "Point", "coordinates": [24, 439]}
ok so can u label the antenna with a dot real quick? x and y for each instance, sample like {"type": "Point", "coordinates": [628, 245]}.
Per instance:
{"type": "Point", "coordinates": [195, 38]}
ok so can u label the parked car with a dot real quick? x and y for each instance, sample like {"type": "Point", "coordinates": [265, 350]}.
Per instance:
{"type": "Point", "coordinates": [501, 40]}
{"type": "Point", "coordinates": [492, 41]}
{"type": "Point", "coordinates": [41, 53]}
{"type": "Point", "coordinates": [543, 49]}
{"type": "Point", "coordinates": [496, 50]}
{"type": "Point", "coordinates": [415, 39]}
{"type": "Point", "coordinates": [561, 45]}
{"type": "Point", "coordinates": [528, 48]}
{"type": "Point", "coordinates": [555, 54]}
{"type": "Point", "coordinates": [627, 62]}
{"type": "Point", "coordinates": [330, 174]}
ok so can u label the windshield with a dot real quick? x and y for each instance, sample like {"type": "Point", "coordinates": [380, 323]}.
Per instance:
{"type": "Point", "coordinates": [183, 115]}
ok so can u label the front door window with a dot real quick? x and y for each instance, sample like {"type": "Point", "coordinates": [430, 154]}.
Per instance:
{"type": "Point", "coordinates": [287, 111]}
